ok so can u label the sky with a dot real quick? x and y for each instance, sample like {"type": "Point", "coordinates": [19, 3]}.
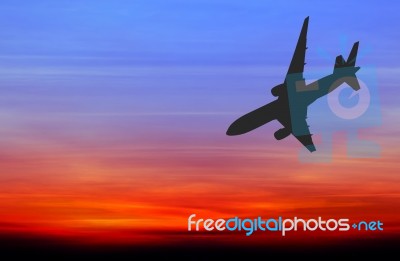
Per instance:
{"type": "Point", "coordinates": [113, 115]}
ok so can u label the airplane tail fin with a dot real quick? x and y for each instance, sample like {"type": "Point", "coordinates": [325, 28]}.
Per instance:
{"type": "Point", "coordinates": [349, 67]}
{"type": "Point", "coordinates": [351, 60]}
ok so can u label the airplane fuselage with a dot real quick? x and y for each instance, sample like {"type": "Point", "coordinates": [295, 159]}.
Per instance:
{"type": "Point", "coordinates": [300, 95]}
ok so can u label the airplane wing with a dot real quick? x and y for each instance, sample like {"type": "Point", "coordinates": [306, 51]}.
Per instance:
{"type": "Point", "coordinates": [299, 127]}
{"type": "Point", "coordinates": [298, 59]}
{"type": "Point", "coordinates": [298, 110]}
{"type": "Point", "coordinates": [306, 140]}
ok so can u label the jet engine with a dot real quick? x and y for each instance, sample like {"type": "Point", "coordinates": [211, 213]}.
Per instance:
{"type": "Point", "coordinates": [282, 133]}
{"type": "Point", "coordinates": [277, 90]}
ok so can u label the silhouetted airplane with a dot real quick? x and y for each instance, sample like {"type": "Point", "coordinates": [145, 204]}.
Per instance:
{"type": "Point", "coordinates": [294, 96]}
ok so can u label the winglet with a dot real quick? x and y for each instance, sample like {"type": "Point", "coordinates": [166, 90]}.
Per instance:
{"type": "Point", "coordinates": [311, 148]}
{"type": "Point", "coordinates": [305, 25]}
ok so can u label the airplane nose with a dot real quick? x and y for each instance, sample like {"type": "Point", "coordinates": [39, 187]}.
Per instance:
{"type": "Point", "coordinates": [232, 130]}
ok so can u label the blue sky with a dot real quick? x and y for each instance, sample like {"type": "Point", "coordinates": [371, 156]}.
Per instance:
{"type": "Point", "coordinates": [190, 32]}
{"type": "Point", "coordinates": [60, 59]}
